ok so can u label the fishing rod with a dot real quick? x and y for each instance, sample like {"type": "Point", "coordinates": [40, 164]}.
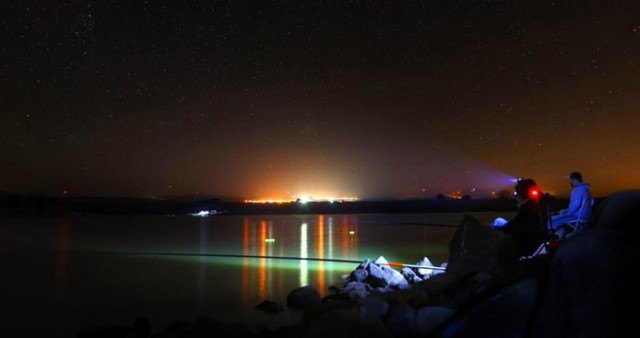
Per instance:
{"type": "Point", "coordinates": [315, 259]}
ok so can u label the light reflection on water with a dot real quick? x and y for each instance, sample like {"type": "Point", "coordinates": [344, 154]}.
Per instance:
{"type": "Point", "coordinates": [266, 280]}
{"type": "Point", "coordinates": [52, 271]}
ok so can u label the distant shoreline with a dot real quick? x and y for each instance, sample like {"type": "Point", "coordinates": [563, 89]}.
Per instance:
{"type": "Point", "coordinates": [29, 206]}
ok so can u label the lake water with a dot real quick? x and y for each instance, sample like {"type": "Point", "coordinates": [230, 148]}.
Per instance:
{"type": "Point", "coordinates": [63, 275]}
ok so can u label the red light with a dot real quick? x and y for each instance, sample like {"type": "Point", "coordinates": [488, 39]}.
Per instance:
{"type": "Point", "coordinates": [534, 193]}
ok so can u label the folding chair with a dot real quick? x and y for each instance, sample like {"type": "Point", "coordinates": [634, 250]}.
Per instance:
{"type": "Point", "coordinates": [555, 236]}
{"type": "Point", "coordinates": [584, 214]}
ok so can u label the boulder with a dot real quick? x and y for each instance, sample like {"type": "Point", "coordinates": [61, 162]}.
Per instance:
{"type": "Point", "coordinates": [332, 319]}
{"type": "Point", "coordinates": [410, 276]}
{"type": "Point", "coordinates": [591, 286]}
{"type": "Point", "coordinates": [401, 320]}
{"type": "Point", "coordinates": [302, 297]}
{"type": "Point", "coordinates": [372, 325]}
{"type": "Point", "coordinates": [438, 283]}
{"type": "Point", "coordinates": [269, 306]}
{"type": "Point", "coordinates": [394, 278]}
{"type": "Point", "coordinates": [140, 329]}
{"type": "Point", "coordinates": [478, 248]}
{"type": "Point", "coordinates": [377, 278]}
{"type": "Point", "coordinates": [356, 289]}
{"type": "Point", "coordinates": [429, 318]}
{"type": "Point", "coordinates": [293, 331]}
{"type": "Point", "coordinates": [381, 261]}
{"type": "Point", "coordinates": [502, 313]}
{"type": "Point", "coordinates": [422, 271]}
{"type": "Point", "coordinates": [358, 275]}
{"type": "Point", "coordinates": [374, 305]}
{"type": "Point", "coordinates": [364, 264]}
{"type": "Point", "coordinates": [468, 291]}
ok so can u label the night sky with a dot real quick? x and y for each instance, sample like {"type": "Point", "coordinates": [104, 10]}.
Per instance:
{"type": "Point", "coordinates": [261, 99]}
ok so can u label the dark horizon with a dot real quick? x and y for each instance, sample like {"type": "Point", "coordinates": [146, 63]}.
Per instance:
{"type": "Point", "coordinates": [21, 206]}
{"type": "Point", "coordinates": [499, 195]}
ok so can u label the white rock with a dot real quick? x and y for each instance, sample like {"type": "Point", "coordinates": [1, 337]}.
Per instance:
{"type": "Point", "coordinates": [424, 262]}
{"type": "Point", "coordinates": [395, 278]}
{"type": "Point", "coordinates": [381, 261]}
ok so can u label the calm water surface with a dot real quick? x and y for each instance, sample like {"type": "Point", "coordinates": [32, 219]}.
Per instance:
{"type": "Point", "coordinates": [63, 275]}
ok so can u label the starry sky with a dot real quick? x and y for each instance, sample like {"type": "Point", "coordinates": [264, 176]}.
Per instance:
{"type": "Point", "coordinates": [375, 99]}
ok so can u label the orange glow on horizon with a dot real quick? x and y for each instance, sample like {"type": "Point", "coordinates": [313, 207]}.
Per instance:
{"type": "Point", "coordinates": [270, 201]}
{"type": "Point", "coordinates": [302, 199]}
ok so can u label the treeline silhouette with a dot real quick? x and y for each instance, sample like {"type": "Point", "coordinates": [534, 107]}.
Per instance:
{"type": "Point", "coordinates": [16, 205]}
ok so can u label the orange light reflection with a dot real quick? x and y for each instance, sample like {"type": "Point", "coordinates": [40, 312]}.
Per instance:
{"type": "Point", "coordinates": [321, 281]}
{"type": "Point", "coordinates": [246, 241]}
{"type": "Point", "coordinates": [262, 273]}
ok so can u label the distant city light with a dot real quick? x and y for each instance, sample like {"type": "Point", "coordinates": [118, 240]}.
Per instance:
{"type": "Point", "coordinates": [303, 200]}
{"type": "Point", "coordinates": [271, 201]}
{"type": "Point", "coordinates": [205, 213]}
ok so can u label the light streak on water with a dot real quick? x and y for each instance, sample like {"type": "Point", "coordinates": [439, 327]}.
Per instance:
{"type": "Point", "coordinates": [262, 272]}
{"type": "Point", "coordinates": [321, 281]}
{"type": "Point", "coordinates": [304, 269]}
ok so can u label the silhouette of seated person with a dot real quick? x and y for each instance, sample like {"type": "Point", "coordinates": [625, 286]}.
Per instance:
{"type": "Point", "coordinates": [526, 227]}
{"type": "Point", "coordinates": [579, 209]}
